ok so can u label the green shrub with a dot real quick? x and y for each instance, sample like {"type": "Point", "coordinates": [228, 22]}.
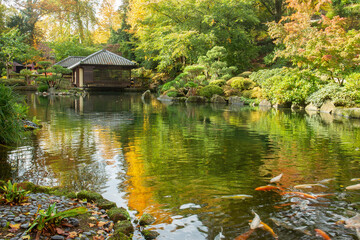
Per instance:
{"type": "Point", "coordinates": [43, 88]}
{"type": "Point", "coordinates": [340, 96]}
{"type": "Point", "coordinates": [242, 83]}
{"type": "Point", "coordinates": [172, 93]}
{"type": "Point", "coordinates": [11, 113]}
{"type": "Point", "coordinates": [287, 85]}
{"type": "Point", "coordinates": [245, 74]}
{"type": "Point", "coordinates": [218, 83]}
{"type": "Point", "coordinates": [170, 85]}
{"type": "Point", "coordinates": [13, 82]}
{"type": "Point", "coordinates": [210, 90]}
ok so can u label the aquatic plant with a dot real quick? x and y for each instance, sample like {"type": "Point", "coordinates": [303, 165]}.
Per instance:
{"type": "Point", "coordinates": [13, 194]}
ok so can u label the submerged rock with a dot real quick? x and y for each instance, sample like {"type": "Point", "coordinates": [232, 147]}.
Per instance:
{"type": "Point", "coordinates": [146, 219]}
{"type": "Point", "coordinates": [149, 234]}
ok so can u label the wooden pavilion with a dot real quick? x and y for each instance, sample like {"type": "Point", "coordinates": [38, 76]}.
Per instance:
{"type": "Point", "coordinates": [102, 69]}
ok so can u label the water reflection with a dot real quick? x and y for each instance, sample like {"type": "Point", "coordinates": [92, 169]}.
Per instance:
{"type": "Point", "coordinates": [176, 161]}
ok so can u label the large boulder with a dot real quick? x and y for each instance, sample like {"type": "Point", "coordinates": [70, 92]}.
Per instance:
{"type": "Point", "coordinates": [236, 100]}
{"type": "Point", "coordinates": [165, 98]}
{"type": "Point", "coordinates": [146, 95]}
{"type": "Point", "coordinates": [217, 99]}
{"type": "Point", "coordinates": [327, 107]}
{"type": "Point", "coordinates": [311, 107]}
{"type": "Point", "coordinates": [347, 112]}
{"type": "Point", "coordinates": [265, 103]}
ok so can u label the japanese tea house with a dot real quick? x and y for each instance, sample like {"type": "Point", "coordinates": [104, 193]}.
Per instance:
{"type": "Point", "coordinates": [102, 69]}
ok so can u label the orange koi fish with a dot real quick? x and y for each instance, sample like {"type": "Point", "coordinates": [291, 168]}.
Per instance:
{"type": "Point", "coordinates": [245, 236]}
{"type": "Point", "coordinates": [300, 194]}
{"type": "Point", "coordinates": [266, 227]}
{"type": "Point", "coordinates": [322, 234]}
{"type": "Point", "coordinates": [285, 205]}
{"type": "Point", "coordinates": [268, 188]}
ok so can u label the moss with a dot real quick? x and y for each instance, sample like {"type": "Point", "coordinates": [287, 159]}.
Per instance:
{"type": "Point", "coordinates": [124, 227]}
{"type": "Point", "coordinates": [41, 189]}
{"type": "Point", "coordinates": [105, 204]}
{"type": "Point", "coordinates": [90, 196]}
{"type": "Point", "coordinates": [196, 99]}
{"type": "Point", "coordinates": [118, 214]}
{"type": "Point", "coordinates": [28, 186]}
{"type": "Point", "coordinates": [146, 219]}
{"type": "Point", "coordinates": [119, 236]}
{"type": "Point", "coordinates": [148, 234]}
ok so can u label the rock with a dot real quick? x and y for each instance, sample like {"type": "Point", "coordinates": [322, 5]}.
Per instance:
{"type": "Point", "coordinates": [179, 99]}
{"type": "Point", "coordinates": [146, 219]}
{"type": "Point", "coordinates": [236, 101]}
{"type": "Point", "coordinates": [165, 98]}
{"type": "Point", "coordinates": [311, 107]}
{"type": "Point", "coordinates": [125, 227]}
{"type": "Point", "coordinates": [265, 103]}
{"type": "Point", "coordinates": [105, 204]}
{"type": "Point", "coordinates": [90, 196]}
{"type": "Point", "coordinates": [347, 112]}
{"type": "Point", "coordinates": [196, 99]}
{"type": "Point", "coordinates": [327, 107]}
{"type": "Point", "coordinates": [119, 236]}
{"type": "Point", "coordinates": [146, 95]}
{"type": "Point", "coordinates": [118, 214]}
{"type": "Point", "coordinates": [25, 225]}
{"type": "Point", "coordinates": [149, 235]}
{"type": "Point", "coordinates": [57, 237]}
{"type": "Point", "coordinates": [17, 219]}
{"type": "Point", "coordinates": [217, 99]}
{"type": "Point", "coordinates": [74, 221]}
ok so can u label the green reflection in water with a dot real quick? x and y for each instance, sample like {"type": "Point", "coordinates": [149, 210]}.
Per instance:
{"type": "Point", "coordinates": [165, 157]}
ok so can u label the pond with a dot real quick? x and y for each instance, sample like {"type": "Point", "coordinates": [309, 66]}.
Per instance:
{"type": "Point", "coordinates": [195, 167]}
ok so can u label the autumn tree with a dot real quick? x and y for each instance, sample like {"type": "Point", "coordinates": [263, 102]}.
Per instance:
{"type": "Point", "coordinates": [312, 40]}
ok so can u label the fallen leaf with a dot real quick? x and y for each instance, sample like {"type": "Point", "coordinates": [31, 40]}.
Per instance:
{"type": "Point", "coordinates": [10, 235]}
{"type": "Point", "coordinates": [25, 204]}
{"type": "Point", "coordinates": [14, 227]}
{"type": "Point", "coordinates": [72, 234]}
{"type": "Point", "coordinates": [92, 218]}
{"type": "Point", "coordinates": [96, 213]}
{"type": "Point", "coordinates": [98, 237]}
{"type": "Point", "coordinates": [104, 216]}
{"type": "Point", "coordinates": [60, 231]}
{"type": "Point", "coordinates": [91, 225]}
{"type": "Point", "coordinates": [26, 237]}
{"type": "Point", "coordinates": [101, 223]}
{"type": "Point", "coordinates": [100, 232]}
{"type": "Point", "coordinates": [66, 224]}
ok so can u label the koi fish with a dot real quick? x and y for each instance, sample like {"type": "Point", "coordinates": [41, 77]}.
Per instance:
{"type": "Point", "coordinates": [322, 234]}
{"type": "Point", "coordinates": [353, 187]}
{"type": "Point", "coordinates": [245, 236]}
{"type": "Point", "coordinates": [266, 227]}
{"type": "Point", "coordinates": [290, 227]}
{"type": "Point", "coordinates": [284, 205]}
{"type": "Point", "coordinates": [309, 185]}
{"type": "Point", "coordinates": [276, 179]}
{"type": "Point", "coordinates": [300, 194]}
{"type": "Point", "coordinates": [325, 194]}
{"type": "Point", "coordinates": [255, 223]}
{"type": "Point", "coordinates": [239, 196]}
{"type": "Point", "coordinates": [268, 188]}
{"type": "Point", "coordinates": [327, 180]}
{"type": "Point", "coordinates": [355, 179]}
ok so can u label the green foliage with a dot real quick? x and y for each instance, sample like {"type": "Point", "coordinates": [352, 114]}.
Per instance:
{"type": "Point", "coordinates": [210, 90]}
{"type": "Point", "coordinates": [11, 113]}
{"type": "Point", "coordinates": [242, 83]}
{"type": "Point", "coordinates": [287, 85]}
{"type": "Point", "coordinates": [26, 73]}
{"type": "Point", "coordinates": [340, 96]}
{"type": "Point", "coordinates": [53, 75]}
{"type": "Point", "coordinates": [52, 217]}
{"type": "Point", "coordinates": [43, 88]}
{"type": "Point", "coordinates": [172, 93]}
{"type": "Point", "coordinates": [13, 194]}
{"type": "Point", "coordinates": [218, 83]}
{"type": "Point", "coordinates": [13, 82]}
{"type": "Point", "coordinates": [71, 48]}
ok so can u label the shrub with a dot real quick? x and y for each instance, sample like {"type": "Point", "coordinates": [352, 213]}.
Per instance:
{"type": "Point", "coordinates": [340, 96]}
{"type": "Point", "coordinates": [245, 74]}
{"type": "Point", "coordinates": [242, 83]}
{"type": "Point", "coordinates": [172, 93]}
{"type": "Point", "coordinates": [218, 83]}
{"type": "Point", "coordinates": [210, 90]}
{"type": "Point", "coordinates": [13, 82]}
{"type": "Point", "coordinates": [43, 88]}
{"type": "Point", "coordinates": [11, 113]}
{"type": "Point", "coordinates": [287, 85]}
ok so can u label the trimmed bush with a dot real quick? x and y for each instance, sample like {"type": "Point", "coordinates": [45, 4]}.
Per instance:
{"type": "Point", "coordinates": [13, 82]}
{"type": "Point", "coordinates": [172, 94]}
{"type": "Point", "coordinates": [210, 90]}
{"type": "Point", "coordinates": [43, 88]}
{"type": "Point", "coordinates": [242, 83]}
{"type": "Point", "coordinates": [340, 96]}
{"type": "Point", "coordinates": [218, 83]}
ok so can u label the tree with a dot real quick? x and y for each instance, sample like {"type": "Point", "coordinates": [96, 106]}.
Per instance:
{"type": "Point", "coordinates": [71, 48]}
{"type": "Point", "coordinates": [11, 47]}
{"type": "Point", "coordinates": [54, 75]}
{"type": "Point", "coordinates": [324, 44]}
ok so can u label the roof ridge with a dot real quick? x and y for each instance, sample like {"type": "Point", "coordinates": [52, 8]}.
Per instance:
{"type": "Point", "coordinates": [68, 58]}
{"type": "Point", "coordinates": [91, 55]}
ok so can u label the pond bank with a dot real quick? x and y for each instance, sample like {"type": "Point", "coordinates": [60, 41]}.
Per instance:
{"type": "Point", "coordinates": [102, 220]}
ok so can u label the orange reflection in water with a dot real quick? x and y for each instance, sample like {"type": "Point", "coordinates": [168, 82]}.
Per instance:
{"type": "Point", "coordinates": [140, 196]}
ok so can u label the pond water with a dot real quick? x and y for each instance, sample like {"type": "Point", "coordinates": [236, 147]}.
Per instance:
{"type": "Point", "coordinates": [183, 163]}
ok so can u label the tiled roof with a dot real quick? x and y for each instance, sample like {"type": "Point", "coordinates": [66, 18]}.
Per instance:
{"type": "Point", "coordinates": [104, 57]}
{"type": "Point", "coordinates": [69, 61]}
